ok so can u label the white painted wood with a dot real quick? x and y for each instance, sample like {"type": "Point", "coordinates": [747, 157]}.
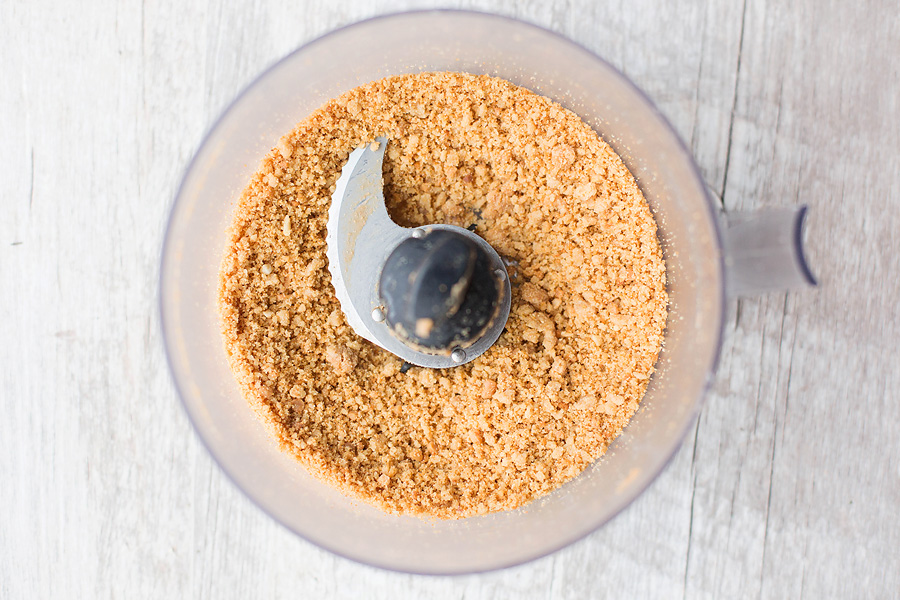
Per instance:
{"type": "Point", "coordinates": [790, 486]}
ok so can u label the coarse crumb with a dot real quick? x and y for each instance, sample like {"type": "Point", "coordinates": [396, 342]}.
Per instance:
{"type": "Point", "coordinates": [584, 331]}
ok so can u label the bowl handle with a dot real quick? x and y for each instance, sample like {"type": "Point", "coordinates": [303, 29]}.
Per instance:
{"type": "Point", "coordinates": [764, 251]}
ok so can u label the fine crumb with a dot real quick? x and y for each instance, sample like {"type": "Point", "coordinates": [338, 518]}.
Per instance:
{"type": "Point", "coordinates": [584, 331]}
{"type": "Point", "coordinates": [424, 327]}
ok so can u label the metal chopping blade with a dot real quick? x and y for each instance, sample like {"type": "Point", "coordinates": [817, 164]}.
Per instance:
{"type": "Point", "coordinates": [361, 238]}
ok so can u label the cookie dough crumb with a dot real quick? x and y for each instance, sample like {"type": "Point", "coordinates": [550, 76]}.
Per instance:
{"type": "Point", "coordinates": [341, 358]}
{"type": "Point", "coordinates": [534, 295]}
{"type": "Point", "coordinates": [584, 331]}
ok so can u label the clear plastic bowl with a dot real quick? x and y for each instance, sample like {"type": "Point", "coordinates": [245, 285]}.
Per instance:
{"type": "Point", "coordinates": [431, 41]}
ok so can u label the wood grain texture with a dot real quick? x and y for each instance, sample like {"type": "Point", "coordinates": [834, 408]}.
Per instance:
{"type": "Point", "coordinates": [790, 485]}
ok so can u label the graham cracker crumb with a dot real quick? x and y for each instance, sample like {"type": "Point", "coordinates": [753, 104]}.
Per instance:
{"type": "Point", "coordinates": [584, 331]}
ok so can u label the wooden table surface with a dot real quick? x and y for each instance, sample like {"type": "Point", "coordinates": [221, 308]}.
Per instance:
{"type": "Point", "coordinates": [789, 486]}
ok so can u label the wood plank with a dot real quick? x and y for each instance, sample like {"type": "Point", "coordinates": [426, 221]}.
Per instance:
{"type": "Point", "coordinates": [796, 464]}
{"type": "Point", "coordinates": [789, 486]}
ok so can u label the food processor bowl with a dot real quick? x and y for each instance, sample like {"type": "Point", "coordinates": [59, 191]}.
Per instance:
{"type": "Point", "coordinates": [478, 43]}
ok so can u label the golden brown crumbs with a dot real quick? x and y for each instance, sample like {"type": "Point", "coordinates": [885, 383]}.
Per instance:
{"type": "Point", "coordinates": [584, 331]}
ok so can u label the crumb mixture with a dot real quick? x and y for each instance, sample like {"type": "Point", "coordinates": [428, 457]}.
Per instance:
{"type": "Point", "coordinates": [588, 306]}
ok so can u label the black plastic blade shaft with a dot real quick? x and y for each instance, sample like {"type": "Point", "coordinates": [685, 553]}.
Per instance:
{"type": "Point", "coordinates": [438, 291]}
